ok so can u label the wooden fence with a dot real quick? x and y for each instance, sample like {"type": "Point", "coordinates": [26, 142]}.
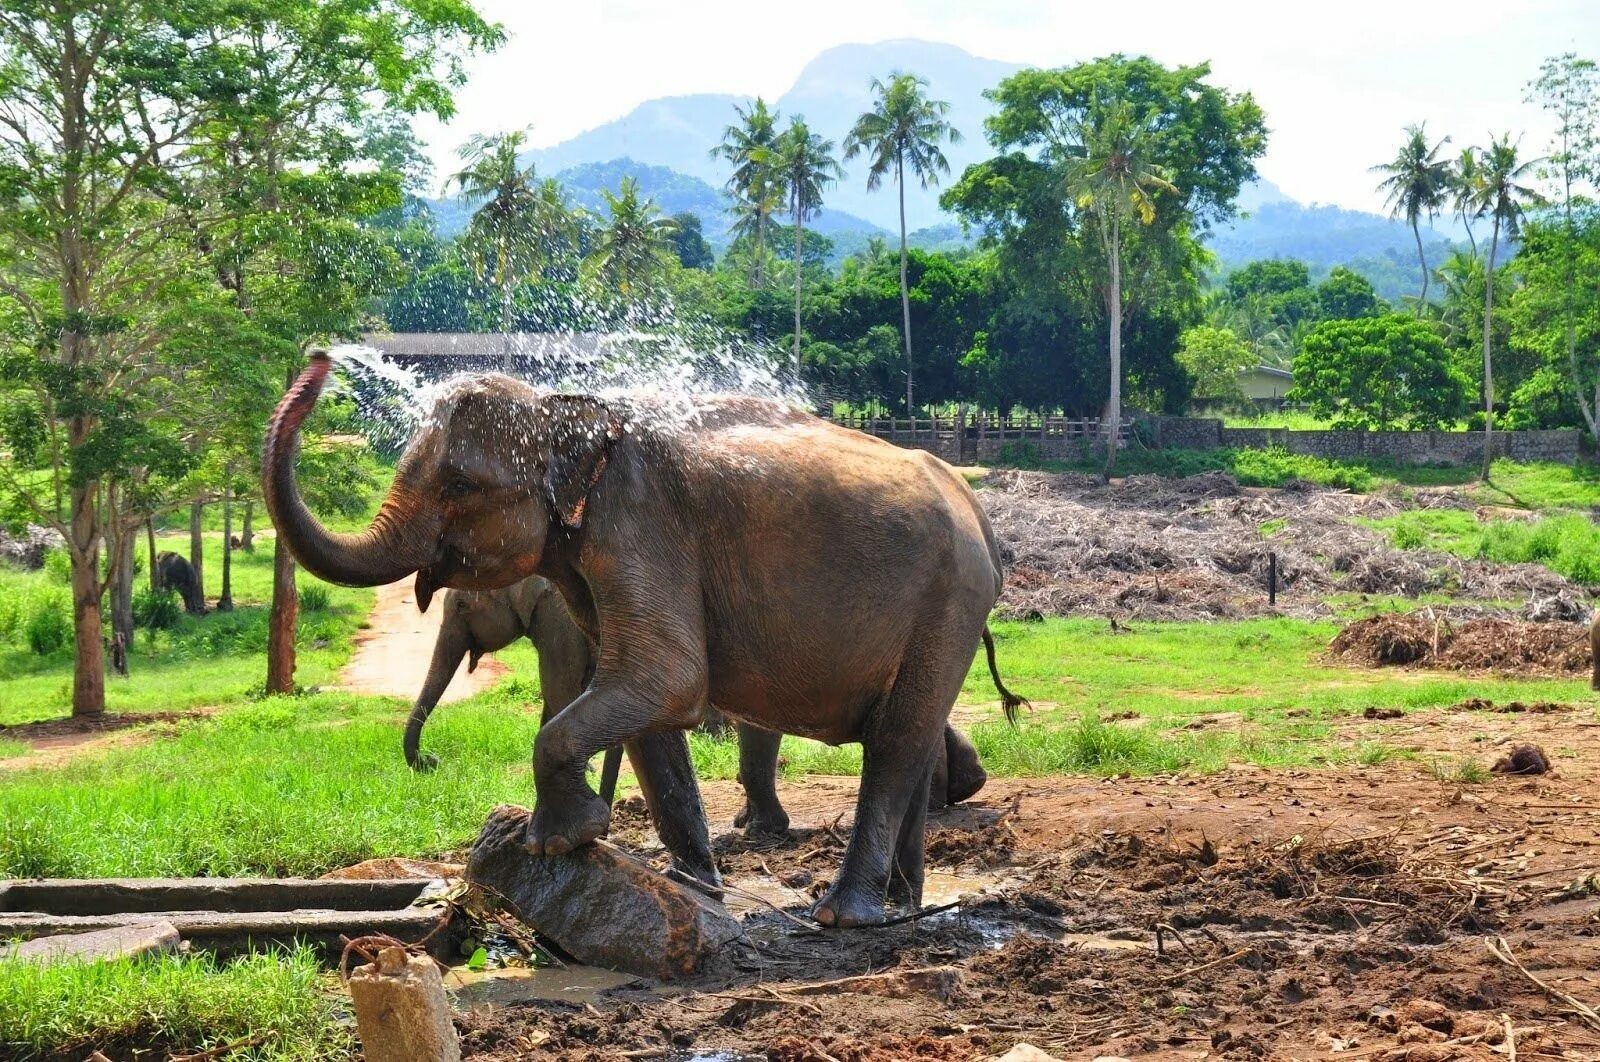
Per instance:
{"type": "Point", "coordinates": [970, 437]}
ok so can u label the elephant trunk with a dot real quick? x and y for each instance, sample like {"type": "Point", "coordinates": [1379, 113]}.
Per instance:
{"type": "Point", "coordinates": [452, 645]}
{"type": "Point", "coordinates": [401, 539]}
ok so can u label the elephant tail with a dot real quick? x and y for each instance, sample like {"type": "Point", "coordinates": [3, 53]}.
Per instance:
{"type": "Point", "coordinates": [1008, 700]}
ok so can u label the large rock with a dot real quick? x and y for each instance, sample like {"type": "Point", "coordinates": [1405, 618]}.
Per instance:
{"type": "Point", "coordinates": [599, 904]}
{"type": "Point", "coordinates": [119, 942]}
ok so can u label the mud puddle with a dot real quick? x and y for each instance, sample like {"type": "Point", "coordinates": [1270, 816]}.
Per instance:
{"type": "Point", "coordinates": [572, 984]}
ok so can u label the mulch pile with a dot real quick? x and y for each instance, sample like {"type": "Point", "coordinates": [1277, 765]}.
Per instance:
{"type": "Point", "coordinates": [1152, 547]}
{"type": "Point", "coordinates": [1487, 644]}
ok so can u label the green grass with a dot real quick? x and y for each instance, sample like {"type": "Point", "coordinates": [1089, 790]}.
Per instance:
{"type": "Point", "coordinates": [215, 659]}
{"type": "Point", "coordinates": [1294, 420]}
{"type": "Point", "coordinates": [1568, 544]}
{"type": "Point", "coordinates": [176, 1004]}
{"type": "Point", "coordinates": [303, 785]}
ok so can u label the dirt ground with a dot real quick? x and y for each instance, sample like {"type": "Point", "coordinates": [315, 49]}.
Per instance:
{"type": "Point", "coordinates": [1373, 912]}
{"type": "Point", "coordinates": [393, 652]}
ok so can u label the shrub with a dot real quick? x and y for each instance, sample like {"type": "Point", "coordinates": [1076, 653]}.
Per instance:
{"type": "Point", "coordinates": [58, 565]}
{"type": "Point", "coordinates": [157, 610]}
{"type": "Point", "coordinates": [313, 597]}
{"type": "Point", "coordinates": [48, 628]}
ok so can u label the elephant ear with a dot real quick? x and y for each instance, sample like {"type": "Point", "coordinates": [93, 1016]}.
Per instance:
{"type": "Point", "coordinates": [582, 432]}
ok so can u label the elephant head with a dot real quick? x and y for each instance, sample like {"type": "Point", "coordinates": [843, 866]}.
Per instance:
{"type": "Point", "coordinates": [496, 468]}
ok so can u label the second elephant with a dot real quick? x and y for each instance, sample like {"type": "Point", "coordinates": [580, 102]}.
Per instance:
{"type": "Point", "coordinates": [485, 621]}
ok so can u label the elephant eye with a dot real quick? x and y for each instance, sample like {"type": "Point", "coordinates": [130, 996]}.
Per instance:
{"type": "Point", "coordinates": [458, 486]}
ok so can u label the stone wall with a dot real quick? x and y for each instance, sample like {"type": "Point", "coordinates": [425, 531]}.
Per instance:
{"type": "Point", "coordinates": [1411, 447]}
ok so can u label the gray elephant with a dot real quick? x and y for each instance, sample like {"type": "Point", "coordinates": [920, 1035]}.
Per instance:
{"type": "Point", "coordinates": [485, 621]}
{"type": "Point", "coordinates": [737, 553]}
{"type": "Point", "coordinates": [176, 573]}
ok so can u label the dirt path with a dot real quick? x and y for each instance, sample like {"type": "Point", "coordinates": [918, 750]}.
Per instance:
{"type": "Point", "coordinates": [393, 653]}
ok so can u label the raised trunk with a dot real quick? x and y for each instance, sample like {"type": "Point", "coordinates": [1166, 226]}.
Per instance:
{"type": "Point", "coordinates": [447, 653]}
{"type": "Point", "coordinates": [1488, 355]}
{"type": "Point", "coordinates": [197, 548]}
{"type": "Point", "coordinates": [247, 535]}
{"type": "Point", "coordinates": [905, 291]}
{"type": "Point", "coordinates": [1423, 261]}
{"type": "Point", "coordinates": [225, 601]}
{"type": "Point", "coordinates": [403, 538]}
{"type": "Point", "coordinates": [1113, 425]}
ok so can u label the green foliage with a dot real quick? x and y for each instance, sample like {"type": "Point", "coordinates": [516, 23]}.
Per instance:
{"type": "Point", "coordinates": [1347, 295]}
{"type": "Point", "coordinates": [1214, 357]}
{"type": "Point", "coordinates": [48, 627]}
{"type": "Point", "coordinates": [1378, 372]}
{"type": "Point", "coordinates": [156, 610]}
{"type": "Point", "coordinates": [314, 597]}
{"type": "Point", "coordinates": [178, 1004]}
{"type": "Point", "coordinates": [1566, 544]}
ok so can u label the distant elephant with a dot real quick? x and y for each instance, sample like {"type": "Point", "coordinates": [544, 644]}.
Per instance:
{"type": "Point", "coordinates": [722, 551]}
{"type": "Point", "coordinates": [485, 621]}
{"type": "Point", "coordinates": [177, 573]}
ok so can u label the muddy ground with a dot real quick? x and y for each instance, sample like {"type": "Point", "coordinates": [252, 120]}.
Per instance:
{"type": "Point", "coordinates": [1373, 912]}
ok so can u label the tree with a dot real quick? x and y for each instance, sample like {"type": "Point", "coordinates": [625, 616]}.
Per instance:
{"type": "Point", "coordinates": [689, 242]}
{"type": "Point", "coordinates": [1567, 88]}
{"type": "Point", "coordinates": [802, 163]}
{"type": "Point", "coordinates": [1417, 183]}
{"type": "Point", "coordinates": [1346, 295]}
{"type": "Point", "coordinates": [633, 248]}
{"type": "Point", "coordinates": [1111, 178]}
{"type": "Point", "coordinates": [748, 146]}
{"type": "Point", "coordinates": [520, 224]}
{"type": "Point", "coordinates": [903, 129]}
{"type": "Point", "coordinates": [1214, 357]}
{"type": "Point", "coordinates": [1379, 372]}
{"type": "Point", "coordinates": [1503, 199]}
{"type": "Point", "coordinates": [1466, 182]}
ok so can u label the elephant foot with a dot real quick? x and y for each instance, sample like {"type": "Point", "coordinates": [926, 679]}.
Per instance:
{"type": "Point", "coordinates": [905, 892]}
{"type": "Point", "coordinates": [557, 827]}
{"type": "Point", "coordinates": [706, 874]}
{"type": "Point", "coordinates": [424, 763]}
{"type": "Point", "coordinates": [848, 904]}
{"type": "Point", "coordinates": [757, 823]}
{"type": "Point", "coordinates": [963, 784]}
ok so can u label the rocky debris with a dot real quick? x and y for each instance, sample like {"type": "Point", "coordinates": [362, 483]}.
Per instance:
{"type": "Point", "coordinates": [120, 942]}
{"type": "Point", "coordinates": [401, 1011]}
{"type": "Point", "coordinates": [1523, 759]}
{"type": "Point", "coordinates": [27, 548]}
{"type": "Point", "coordinates": [1556, 608]}
{"type": "Point", "coordinates": [599, 904]}
{"type": "Point", "coordinates": [1394, 639]}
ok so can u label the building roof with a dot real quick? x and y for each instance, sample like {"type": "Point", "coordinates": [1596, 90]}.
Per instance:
{"type": "Point", "coordinates": [1270, 370]}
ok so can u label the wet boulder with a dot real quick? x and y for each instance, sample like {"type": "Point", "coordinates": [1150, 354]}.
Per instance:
{"type": "Point", "coordinates": [599, 904]}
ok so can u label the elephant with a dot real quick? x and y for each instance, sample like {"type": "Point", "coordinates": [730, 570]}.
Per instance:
{"type": "Point", "coordinates": [725, 551]}
{"type": "Point", "coordinates": [485, 621]}
{"type": "Point", "coordinates": [176, 572]}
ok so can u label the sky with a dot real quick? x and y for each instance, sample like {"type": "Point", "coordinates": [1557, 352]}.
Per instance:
{"type": "Point", "coordinates": [1338, 81]}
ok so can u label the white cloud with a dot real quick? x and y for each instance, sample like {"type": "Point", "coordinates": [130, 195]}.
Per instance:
{"type": "Point", "coordinates": [1337, 81]}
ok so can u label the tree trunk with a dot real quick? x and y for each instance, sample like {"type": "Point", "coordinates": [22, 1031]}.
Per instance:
{"type": "Point", "coordinates": [150, 543]}
{"type": "Point", "coordinates": [247, 536]}
{"type": "Point", "coordinates": [197, 548]}
{"type": "Point", "coordinates": [88, 663]}
{"type": "Point", "coordinates": [284, 611]}
{"type": "Point", "coordinates": [1113, 427]}
{"type": "Point", "coordinates": [122, 596]}
{"type": "Point", "coordinates": [799, 247]}
{"type": "Point", "coordinates": [1488, 357]}
{"type": "Point", "coordinates": [1423, 261]}
{"type": "Point", "coordinates": [225, 602]}
{"type": "Point", "coordinates": [905, 291]}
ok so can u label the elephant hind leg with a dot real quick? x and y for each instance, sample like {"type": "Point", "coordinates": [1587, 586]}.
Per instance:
{"type": "Point", "coordinates": [763, 814]}
{"type": "Point", "coordinates": [665, 772]}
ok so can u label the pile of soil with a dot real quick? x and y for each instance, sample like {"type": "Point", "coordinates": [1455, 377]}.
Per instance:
{"type": "Point", "coordinates": [1414, 639]}
{"type": "Point", "coordinates": [1151, 547]}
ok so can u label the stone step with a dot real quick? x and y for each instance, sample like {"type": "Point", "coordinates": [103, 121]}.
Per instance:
{"type": "Point", "coordinates": [106, 896]}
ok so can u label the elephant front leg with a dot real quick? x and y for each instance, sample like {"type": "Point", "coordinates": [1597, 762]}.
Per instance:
{"type": "Point", "coordinates": [763, 814]}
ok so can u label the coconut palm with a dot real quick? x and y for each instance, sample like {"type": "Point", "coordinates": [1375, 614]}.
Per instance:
{"type": "Point", "coordinates": [520, 222]}
{"type": "Point", "coordinates": [748, 146]}
{"type": "Point", "coordinates": [1501, 198]}
{"type": "Point", "coordinates": [1466, 177]}
{"type": "Point", "coordinates": [1417, 184]}
{"type": "Point", "coordinates": [1110, 178]}
{"type": "Point", "coordinates": [634, 246]}
{"type": "Point", "coordinates": [903, 131]}
{"type": "Point", "coordinates": [803, 164]}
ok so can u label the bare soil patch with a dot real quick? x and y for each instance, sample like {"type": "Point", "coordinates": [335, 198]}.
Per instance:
{"type": "Point", "coordinates": [392, 654]}
{"type": "Point", "coordinates": [53, 742]}
{"type": "Point", "coordinates": [1156, 548]}
{"type": "Point", "coordinates": [1416, 639]}
{"type": "Point", "coordinates": [1253, 914]}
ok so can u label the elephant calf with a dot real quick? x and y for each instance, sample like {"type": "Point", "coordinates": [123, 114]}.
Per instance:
{"type": "Point", "coordinates": [486, 621]}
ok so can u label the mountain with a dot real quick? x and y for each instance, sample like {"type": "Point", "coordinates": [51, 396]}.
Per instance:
{"type": "Point", "coordinates": [831, 92]}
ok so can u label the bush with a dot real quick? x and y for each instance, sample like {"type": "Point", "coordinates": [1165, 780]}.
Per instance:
{"type": "Point", "coordinates": [313, 597]}
{"type": "Point", "coordinates": [156, 609]}
{"type": "Point", "coordinates": [48, 628]}
{"type": "Point", "coordinates": [58, 565]}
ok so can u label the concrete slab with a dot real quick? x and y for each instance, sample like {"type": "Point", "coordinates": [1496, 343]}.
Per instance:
{"type": "Point", "coordinates": [119, 942]}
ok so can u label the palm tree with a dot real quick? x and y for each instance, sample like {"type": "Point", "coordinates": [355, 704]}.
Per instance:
{"type": "Point", "coordinates": [903, 130]}
{"type": "Point", "coordinates": [1110, 177]}
{"type": "Point", "coordinates": [1465, 181]}
{"type": "Point", "coordinates": [1417, 182]}
{"type": "Point", "coordinates": [519, 223]}
{"type": "Point", "coordinates": [803, 163]}
{"type": "Point", "coordinates": [748, 146]}
{"type": "Point", "coordinates": [1502, 198]}
{"type": "Point", "coordinates": [633, 247]}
